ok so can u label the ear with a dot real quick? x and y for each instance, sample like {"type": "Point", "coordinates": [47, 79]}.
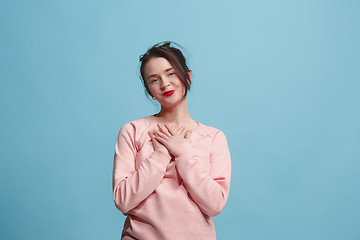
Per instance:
{"type": "Point", "coordinates": [189, 72]}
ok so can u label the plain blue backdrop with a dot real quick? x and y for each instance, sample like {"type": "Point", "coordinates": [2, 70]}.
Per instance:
{"type": "Point", "coordinates": [279, 78]}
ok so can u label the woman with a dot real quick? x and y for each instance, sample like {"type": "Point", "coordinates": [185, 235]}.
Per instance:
{"type": "Point", "coordinates": [171, 173]}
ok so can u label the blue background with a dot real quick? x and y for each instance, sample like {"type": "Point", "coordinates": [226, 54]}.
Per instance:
{"type": "Point", "coordinates": [280, 78]}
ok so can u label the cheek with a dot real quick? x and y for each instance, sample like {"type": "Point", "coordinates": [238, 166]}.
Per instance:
{"type": "Point", "coordinates": [152, 88]}
{"type": "Point", "coordinates": [182, 87]}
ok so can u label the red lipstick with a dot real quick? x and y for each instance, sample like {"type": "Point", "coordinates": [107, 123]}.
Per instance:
{"type": "Point", "coordinates": [168, 93]}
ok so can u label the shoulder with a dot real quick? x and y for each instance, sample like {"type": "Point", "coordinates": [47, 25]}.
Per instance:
{"type": "Point", "coordinates": [219, 143]}
{"type": "Point", "coordinates": [209, 131]}
{"type": "Point", "coordinates": [137, 125]}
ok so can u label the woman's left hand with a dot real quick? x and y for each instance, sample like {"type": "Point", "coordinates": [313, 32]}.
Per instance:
{"type": "Point", "coordinates": [172, 137]}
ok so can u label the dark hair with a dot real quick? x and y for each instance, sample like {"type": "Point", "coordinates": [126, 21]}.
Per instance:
{"type": "Point", "coordinates": [175, 58]}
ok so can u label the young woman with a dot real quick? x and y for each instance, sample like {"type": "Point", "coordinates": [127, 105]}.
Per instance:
{"type": "Point", "coordinates": [171, 173]}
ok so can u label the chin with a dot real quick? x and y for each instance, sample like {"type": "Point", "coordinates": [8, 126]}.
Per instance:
{"type": "Point", "coordinates": [171, 104]}
{"type": "Point", "coordinates": [168, 104]}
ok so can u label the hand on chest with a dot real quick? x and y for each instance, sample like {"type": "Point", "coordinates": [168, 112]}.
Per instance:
{"type": "Point", "coordinates": [201, 151]}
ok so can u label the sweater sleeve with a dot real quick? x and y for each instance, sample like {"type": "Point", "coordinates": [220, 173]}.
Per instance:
{"type": "Point", "coordinates": [209, 191]}
{"type": "Point", "coordinates": [130, 185]}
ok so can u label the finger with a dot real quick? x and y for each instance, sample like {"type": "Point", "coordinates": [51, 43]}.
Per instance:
{"type": "Point", "coordinates": [162, 135]}
{"type": "Point", "coordinates": [176, 129]}
{"type": "Point", "coordinates": [187, 134]}
{"type": "Point", "coordinates": [152, 136]}
{"type": "Point", "coordinates": [164, 130]}
{"type": "Point", "coordinates": [160, 140]}
{"type": "Point", "coordinates": [182, 130]}
{"type": "Point", "coordinates": [170, 129]}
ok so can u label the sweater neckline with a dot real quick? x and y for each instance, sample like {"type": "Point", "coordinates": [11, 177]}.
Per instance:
{"type": "Point", "coordinates": [192, 130]}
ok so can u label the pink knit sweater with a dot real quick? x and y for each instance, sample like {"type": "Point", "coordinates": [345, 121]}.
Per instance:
{"type": "Point", "coordinates": [166, 198]}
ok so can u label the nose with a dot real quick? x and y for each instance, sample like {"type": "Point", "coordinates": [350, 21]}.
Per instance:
{"type": "Point", "coordinates": [164, 83]}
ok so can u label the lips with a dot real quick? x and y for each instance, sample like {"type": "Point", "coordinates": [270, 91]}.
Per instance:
{"type": "Point", "coordinates": [168, 93]}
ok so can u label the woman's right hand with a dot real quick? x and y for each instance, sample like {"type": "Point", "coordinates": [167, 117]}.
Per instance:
{"type": "Point", "coordinates": [157, 145]}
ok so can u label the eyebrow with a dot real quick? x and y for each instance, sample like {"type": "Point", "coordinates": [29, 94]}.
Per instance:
{"type": "Point", "coordinates": [154, 75]}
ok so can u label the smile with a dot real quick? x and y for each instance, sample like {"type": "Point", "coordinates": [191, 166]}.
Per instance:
{"type": "Point", "coordinates": [168, 93]}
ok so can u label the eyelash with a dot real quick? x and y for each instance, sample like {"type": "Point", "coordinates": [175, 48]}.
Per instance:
{"type": "Point", "coordinates": [155, 79]}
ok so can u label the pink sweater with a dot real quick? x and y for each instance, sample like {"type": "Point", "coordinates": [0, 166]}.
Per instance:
{"type": "Point", "coordinates": [165, 198]}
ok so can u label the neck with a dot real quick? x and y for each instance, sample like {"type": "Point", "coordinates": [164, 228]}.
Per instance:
{"type": "Point", "coordinates": [178, 115]}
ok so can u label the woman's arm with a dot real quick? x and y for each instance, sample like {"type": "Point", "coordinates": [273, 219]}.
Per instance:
{"type": "Point", "coordinates": [209, 191]}
{"type": "Point", "coordinates": [131, 186]}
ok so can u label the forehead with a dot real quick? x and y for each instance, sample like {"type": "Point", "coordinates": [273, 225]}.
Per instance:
{"type": "Point", "coordinates": [156, 65]}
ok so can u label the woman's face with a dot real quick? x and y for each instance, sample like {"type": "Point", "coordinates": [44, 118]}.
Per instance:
{"type": "Point", "coordinates": [163, 82]}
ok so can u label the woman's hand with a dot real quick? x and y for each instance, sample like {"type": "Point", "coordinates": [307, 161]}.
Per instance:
{"type": "Point", "coordinates": [157, 145]}
{"type": "Point", "coordinates": [172, 137]}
